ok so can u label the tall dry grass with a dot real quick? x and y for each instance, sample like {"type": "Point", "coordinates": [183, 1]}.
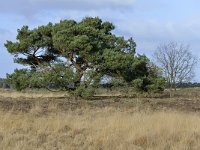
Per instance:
{"type": "Point", "coordinates": [99, 129]}
{"type": "Point", "coordinates": [31, 94]}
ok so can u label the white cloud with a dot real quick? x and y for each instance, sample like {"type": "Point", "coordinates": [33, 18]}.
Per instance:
{"type": "Point", "coordinates": [162, 31]}
{"type": "Point", "coordinates": [32, 7]}
{"type": "Point", "coordinates": [148, 34]}
{"type": "Point", "coordinates": [85, 2]}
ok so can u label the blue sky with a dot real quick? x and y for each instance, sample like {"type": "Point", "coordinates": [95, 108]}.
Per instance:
{"type": "Point", "coordinates": [149, 22]}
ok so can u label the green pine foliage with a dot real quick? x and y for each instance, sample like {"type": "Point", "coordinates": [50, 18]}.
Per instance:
{"type": "Point", "coordinates": [19, 79]}
{"type": "Point", "coordinates": [75, 56]}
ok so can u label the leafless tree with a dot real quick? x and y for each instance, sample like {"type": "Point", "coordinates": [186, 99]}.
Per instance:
{"type": "Point", "coordinates": [177, 63]}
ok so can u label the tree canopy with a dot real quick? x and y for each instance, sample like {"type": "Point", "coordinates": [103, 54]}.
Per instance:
{"type": "Point", "coordinates": [72, 54]}
{"type": "Point", "coordinates": [177, 63]}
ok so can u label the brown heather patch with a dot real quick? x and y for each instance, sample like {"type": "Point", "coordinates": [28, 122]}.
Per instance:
{"type": "Point", "coordinates": [100, 123]}
{"type": "Point", "coordinates": [103, 128]}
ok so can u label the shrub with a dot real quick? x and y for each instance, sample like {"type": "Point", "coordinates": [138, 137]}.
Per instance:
{"type": "Point", "coordinates": [83, 91]}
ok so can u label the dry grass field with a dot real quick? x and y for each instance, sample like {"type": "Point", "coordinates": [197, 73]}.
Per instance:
{"type": "Point", "coordinates": [54, 121]}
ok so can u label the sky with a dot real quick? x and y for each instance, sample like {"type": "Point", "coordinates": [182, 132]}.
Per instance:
{"type": "Point", "coordinates": [149, 22]}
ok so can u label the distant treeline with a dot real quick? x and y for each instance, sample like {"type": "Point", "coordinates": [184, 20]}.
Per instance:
{"type": "Point", "coordinates": [188, 85]}
{"type": "Point", "coordinates": [5, 85]}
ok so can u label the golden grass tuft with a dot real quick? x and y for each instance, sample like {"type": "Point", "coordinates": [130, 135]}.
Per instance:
{"type": "Point", "coordinates": [100, 128]}
{"type": "Point", "coordinates": [31, 94]}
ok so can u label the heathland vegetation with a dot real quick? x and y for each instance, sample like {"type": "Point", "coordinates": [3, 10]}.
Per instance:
{"type": "Point", "coordinates": [46, 120]}
{"type": "Point", "coordinates": [84, 88]}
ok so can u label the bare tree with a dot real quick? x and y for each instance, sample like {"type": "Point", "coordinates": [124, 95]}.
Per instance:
{"type": "Point", "coordinates": [176, 62]}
